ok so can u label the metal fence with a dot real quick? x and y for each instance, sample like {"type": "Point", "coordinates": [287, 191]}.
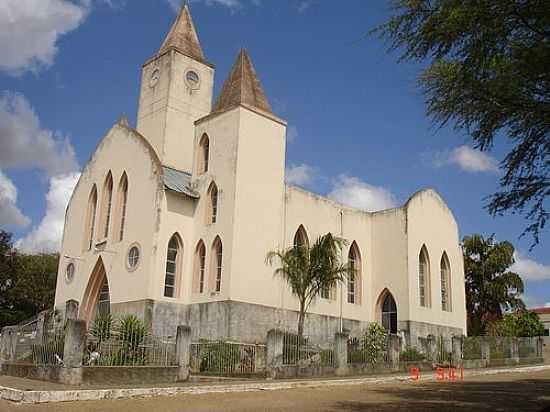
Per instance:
{"type": "Point", "coordinates": [298, 350]}
{"type": "Point", "coordinates": [50, 351]}
{"type": "Point", "coordinates": [364, 350]}
{"type": "Point", "coordinates": [471, 348]}
{"type": "Point", "coordinates": [130, 349]}
{"type": "Point", "coordinates": [529, 348]}
{"type": "Point", "coordinates": [227, 358]}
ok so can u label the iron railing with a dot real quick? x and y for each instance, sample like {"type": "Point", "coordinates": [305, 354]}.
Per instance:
{"type": "Point", "coordinates": [368, 351]}
{"type": "Point", "coordinates": [299, 350]}
{"type": "Point", "coordinates": [227, 358]}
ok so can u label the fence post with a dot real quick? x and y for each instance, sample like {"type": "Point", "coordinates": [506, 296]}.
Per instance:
{"type": "Point", "coordinates": [432, 348]}
{"type": "Point", "coordinates": [73, 351]}
{"type": "Point", "coordinates": [274, 344]}
{"type": "Point", "coordinates": [183, 352]}
{"type": "Point", "coordinates": [394, 349]}
{"type": "Point", "coordinates": [42, 326]}
{"type": "Point", "coordinates": [540, 347]}
{"type": "Point", "coordinates": [514, 349]}
{"type": "Point", "coordinates": [71, 310]}
{"type": "Point", "coordinates": [456, 343]}
{"type": "Point", "coordinates": [341, 353]}
{"type": "Point", "coordinates": [8, 343]}
{"type": "Point", "coordinates": [485, 350]}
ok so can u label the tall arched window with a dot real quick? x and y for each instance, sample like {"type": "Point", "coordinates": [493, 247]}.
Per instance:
{"type": "Point", "coordinates": [389, 313]}
{"type": "Point", "coordinates": [204, 154]}
{"type": "Point", "coordinates": [300, 238]}
{"type": "Point", "coordinates": [106, 203]}
{"type": "Point", "coordinates": [424, 278]}
{"type": "Point", "coordinates": [173, 260]}
{"type": "Point", "coordinates": [90, 219]}
{"type": "Point", "coordinates": [212, 210]}
{"type": "Point", "coordinates": [200, 268]}
{"type": "Point", "coordinates": [216, 265]}
{"type": "Point", "coordinates": [122, 203]}
{"type": "Point", "coordinates": [354, 277]}
{"type": "Point", "coordinates": [445, 283]}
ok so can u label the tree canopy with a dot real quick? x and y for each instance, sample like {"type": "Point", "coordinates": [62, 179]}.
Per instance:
{"type": "Point", "coordinates": [519, 324]}
{"type": "Point", "coordinates": [489, 75]}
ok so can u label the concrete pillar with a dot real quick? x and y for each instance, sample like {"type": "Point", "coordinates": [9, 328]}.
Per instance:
{"type": "Point", "coordinates": [432, 348]}
{"type": "Point", "coordinates": [183, 352]}
{"type": "Point", "coordinates": [456, 343]}
{"type": "Point", "coordinates": [42, 324]}
{"type": "Point", "coordinates": [71, 310]}
{"type": "Point", "coordinates": [8, 344]}
{"type": "Point", "coordinates": [73, 352]}
{"type": "Point", "coordinates": [394, 349]}
{"type": "Point", "coordinates": [341, 353]}
{"type": "Point", "coordinates": [514, 349]}
{"type": "Point", "coordinates": [275, 342]}
{"type": "Point", "coordinates": [540, 346]}
{"type": "Point", "coordinates": [485, 350]}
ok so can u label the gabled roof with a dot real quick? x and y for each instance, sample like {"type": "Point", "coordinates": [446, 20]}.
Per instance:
{"type": "Point", "coordinates": [242, 87]}
{"type": "Point", "coordinates": [178, 181]}
{"type": "Point", "coordinates": [183, 37]}
{"type": "Point", "coordinates": [540, 311]}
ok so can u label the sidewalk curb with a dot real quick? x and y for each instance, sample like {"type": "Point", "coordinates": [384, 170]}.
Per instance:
{"type": "Point", "coordinates": [20, 396]}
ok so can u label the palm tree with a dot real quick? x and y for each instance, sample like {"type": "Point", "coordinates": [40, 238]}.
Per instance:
{"type": "Point", "coordinates": [309, 270]}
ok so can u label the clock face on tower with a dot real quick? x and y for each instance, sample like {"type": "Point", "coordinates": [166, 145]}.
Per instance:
{"type": "Point", "coordinates": [192, 79]}
{"type": "Point", "coordinates": [155, 76]}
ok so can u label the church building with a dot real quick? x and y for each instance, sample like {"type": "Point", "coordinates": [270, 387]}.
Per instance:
{"type": "Point", "coordinates": [172, 221]}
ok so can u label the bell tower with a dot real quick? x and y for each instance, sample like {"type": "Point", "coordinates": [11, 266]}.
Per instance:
{"type": "Point", "coordinates": [176, 90]}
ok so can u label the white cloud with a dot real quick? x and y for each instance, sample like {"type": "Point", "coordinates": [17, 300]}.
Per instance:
{"type": "Point", "coordinates": [529, 269]}
{"type": "Point", "coordinates": [46, 237]}
{"type": "Point", "coordinates": [24, 144]}
{"type": "Point", "coordinates": [468, 159]}
{"type": "Point", "coordinates": [353, 192]}
{"type": "Point", "coordinates": [30, 30]}
{"type": "Point", "coordinates": [547, 305]}
{"type": "Point", "coordinates": [9, 212]}
{"type": "Point", "coordinates": [303, 6]}
{"type": "Point", "coordinates": [300, 175]}
{"type": "Point", "coordinates": [291, 134]}
{"type": "Point", "coordinates": [230, 4]}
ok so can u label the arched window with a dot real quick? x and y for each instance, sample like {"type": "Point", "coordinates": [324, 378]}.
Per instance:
{"type": "Point", "coordinates": [200, 268]}
{"type": "Point", "coordinates": [212, 210]}
{"type": "Point", "coordinates": [445, 283]}
{"type": "Point", "coordinates": [389, 313]}
{"type": "Point", "coordinates": [106, 203]}
{"type": "Point", "coordinates": [172, 266]}
{"type": "Point", "coordinates": [204, 153]}
{"type": "Point", "coordinates": [354, 277]}
{"type": "Point", "coordinates": [122, 203]}
{"type": "Point", "coordinates": [424, 281]}
{"type": "Point", "coordinates": [300, 238]}
{"type": "Point", "coordinates": [90, 219]}
{"type": "Point", "coordinates": [216, 265]}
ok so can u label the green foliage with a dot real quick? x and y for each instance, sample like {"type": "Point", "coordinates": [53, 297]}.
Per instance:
{"type": "Point", "coordinates": [128, 334]}
{"type": "Point", "coordinates": [375, 343]}
{"type": "Point", "coordinates": [27, 282]}
{"type": "Point", "coordinates": [488, 75]}
{"type": "Point", "coordinates": [219, 357]}
{"type": "Point", "coordinates": [310, 270]}
{"type": "Point", "coordinates": [519, 324]}
{"type": "Point", "coordinates": [490, 287]}
{"type": "Point", "coordinates": [102, 327]}
{"type": "Point", "coordinates": [411, 354]}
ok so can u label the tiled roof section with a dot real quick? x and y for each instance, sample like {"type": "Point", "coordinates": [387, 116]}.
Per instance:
{"type": "Point", "coordinates": [242, 87]}
{"type": "Point", "coordinates": [183, 37]}
{"type": "Point", "coordinates": [540, 311]}
{"type": "Point", "coordinates": [178, 181]}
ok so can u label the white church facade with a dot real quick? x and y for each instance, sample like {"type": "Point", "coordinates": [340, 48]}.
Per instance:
{"type": "Point", "coordinates": [172, 221]}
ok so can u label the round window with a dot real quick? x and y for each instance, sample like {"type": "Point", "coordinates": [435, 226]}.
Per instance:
{"type": "Point", "coordinates": [192, 79]}
{"type": "Point", "coordinates": [133, 257]}
{"type": "Point", "coordinates": [69, 272]}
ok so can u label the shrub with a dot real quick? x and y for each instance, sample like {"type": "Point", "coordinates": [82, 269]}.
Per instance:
{"type": "Point", "coordinates": [375, 343]}
{"type": "Point", "coordinates": [219, 357]}
{"type": "Point", "coordinates": [411, 354]}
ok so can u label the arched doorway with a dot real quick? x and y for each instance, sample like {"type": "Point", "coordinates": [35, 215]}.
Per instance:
{"type": "Point", "coordinates": [97, 299]}
{"type": "Point", "coordinates": [388, 311]}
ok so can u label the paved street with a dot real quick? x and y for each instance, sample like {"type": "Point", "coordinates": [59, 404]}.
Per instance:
{"type": "Point", "coordinates": [506, 392]}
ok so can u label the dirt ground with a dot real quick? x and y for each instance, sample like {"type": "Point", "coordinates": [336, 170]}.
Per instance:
{"type": "Point", "coordinates": [505, 392]}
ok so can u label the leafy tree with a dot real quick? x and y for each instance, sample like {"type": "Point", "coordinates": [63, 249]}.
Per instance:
{"type": "Point", "coordinates": [375, 343]}
{"type": "Point", "coordinates": [519, 324]}
{"type": "Point", "coordinates": [490, 287]}
{"type": "Point", "coordinates": [488, 75]}
{"type": "Point", "coordinates": [309, 270]}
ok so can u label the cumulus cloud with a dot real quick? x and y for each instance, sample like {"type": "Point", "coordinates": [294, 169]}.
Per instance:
{"type": "Point", "coordinates": [24, 144]}
{"type": "Point", "coordinates": [230, 4]}
{"type": "Point", "coordinates": [354, 192]}
{"type": "Point", "coordinates": [9, 212]}
{"type": "Point", "coordinates": [530, 269]}
{"type": "Point", "coordinates": [300, 175]}
{"type": "Point", "coordinates": [467, 159]}
{"type": "Point", "coordinates": [46, 237]}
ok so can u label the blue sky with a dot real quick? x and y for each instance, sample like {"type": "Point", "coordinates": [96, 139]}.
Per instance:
{"type": "Point", "coordinates": [357, 125]}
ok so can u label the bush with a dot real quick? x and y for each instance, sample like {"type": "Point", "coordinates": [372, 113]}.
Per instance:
{"type": "Point", "coordinates": [102, 327]}
{"type": "Point", "coordinates": [411, 354]}
{"type": "Point", "coordinates": [219, 357]}
{"type": "Point", "coordinates": [375, 343]}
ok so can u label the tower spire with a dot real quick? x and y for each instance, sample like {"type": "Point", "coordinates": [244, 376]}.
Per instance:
{"type": "Point", "coordinates": [242, 87]}
{"type": "Point", "coordinates": [183, 36]}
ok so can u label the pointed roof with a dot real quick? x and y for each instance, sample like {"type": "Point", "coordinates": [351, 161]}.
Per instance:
{"type": "Point", "coordinates": [183, 36]}
{"type": "Point", "coordinates": [242, 87]}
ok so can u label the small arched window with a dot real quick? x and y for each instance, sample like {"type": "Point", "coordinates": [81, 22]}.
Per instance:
{"type": "Point", "coordinates": [354, 276]}
{"type": "Point", "coordinates": [172, 266]}
{"type": "Point", "coordinates": [445, 283]}
{"type": "Point", "coordinates": [300, 238]}
{"type": "Point", "coordinates": [122, 203]}
{"type": "Point", "coordinates": [212, 210]}
{"type": "Point", "coordinates": [204, 153]}
{"type": "Point", "coordinates": [90, 219]}
{"type": "Point", "coordinates": [216, 265]}
{"type": "Point", "coordinates": [389, 313]}
{"type": "Point", "coordinates": [424, 281]}
{"type": "Point", "coordinates": [200, 268]}
{"type": "Point", "coordinates": [106, 205]}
